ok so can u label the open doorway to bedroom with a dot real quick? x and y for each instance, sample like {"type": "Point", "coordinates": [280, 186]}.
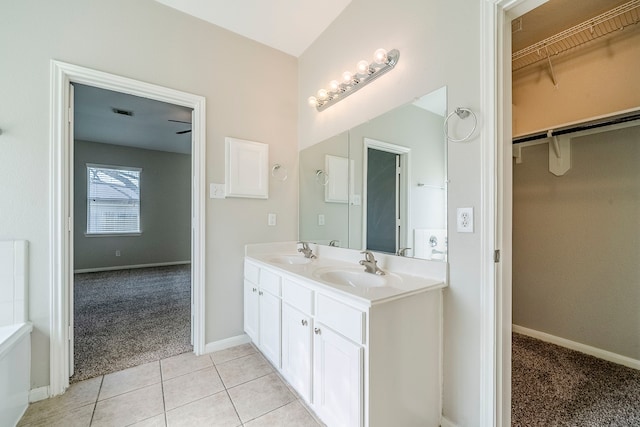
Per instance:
{"type": "Point", "coordinates": [132, 161]}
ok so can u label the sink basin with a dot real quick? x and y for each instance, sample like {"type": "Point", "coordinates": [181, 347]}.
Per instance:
{"type": "Point", "coordinates": [355, 277]}
{"type": "Point", "coordinates": [289, 259]}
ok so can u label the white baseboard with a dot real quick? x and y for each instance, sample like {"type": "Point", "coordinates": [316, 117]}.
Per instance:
{"type": "Point", "coordinates": [127, 267]}
{"type": "Point", "coordinates": [582, 348]}
{"type": "Point", "coordinates": [226, 343]}
{"type": "Point", "coordinates": [444, 422]}
{"type": "Point", "coordinates": [37, 394]}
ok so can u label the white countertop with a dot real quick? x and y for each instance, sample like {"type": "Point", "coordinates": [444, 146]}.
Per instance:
{"type": "Point", "coordinates": [405, 276]}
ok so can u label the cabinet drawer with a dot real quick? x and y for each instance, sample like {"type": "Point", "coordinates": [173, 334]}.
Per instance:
{"type": "Point", "coordinates": [342, 318]}
{"type": "Point", "coordinates": [270, 281]}
{"type": "Point", "coordinates": [251, 272]}
{"type": "Point", "coordinates": [297, 296]}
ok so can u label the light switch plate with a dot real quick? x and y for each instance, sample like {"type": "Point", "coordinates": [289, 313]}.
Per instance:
{"type": "Point", "coordinates": [216, 191]}
{"type": "Point", "coordinates": [271, 219]}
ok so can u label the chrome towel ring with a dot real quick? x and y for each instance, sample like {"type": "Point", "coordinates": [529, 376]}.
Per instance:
{"type": "Point", "coordinates": [463, 113]}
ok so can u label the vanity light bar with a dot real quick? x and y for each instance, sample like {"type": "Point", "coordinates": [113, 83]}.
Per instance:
{"type": "Point", "coordinates": [366, 72]}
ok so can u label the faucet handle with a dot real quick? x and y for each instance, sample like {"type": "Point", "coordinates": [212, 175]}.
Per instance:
{"type": "Point", "coordinates": [368, 255]}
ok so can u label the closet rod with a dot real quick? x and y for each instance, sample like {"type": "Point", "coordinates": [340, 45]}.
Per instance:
{"type": "Point", "coordinates": [577, 128]}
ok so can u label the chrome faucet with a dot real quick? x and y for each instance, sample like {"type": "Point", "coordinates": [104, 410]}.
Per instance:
{"type": "Point", "coordinates": [306, 250]}
{"type": "Point", "coordinates": [370, 264]}
{"type": "Point", "coordinates": [333, 243]}
{"type": "Point", "coordinates": [402, 251]}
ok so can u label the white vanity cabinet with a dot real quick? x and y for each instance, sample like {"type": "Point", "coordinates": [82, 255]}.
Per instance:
{"type": "Point", "coordinates": [262, 310]}
{"type": "Point", "coordinates": [356, 362]}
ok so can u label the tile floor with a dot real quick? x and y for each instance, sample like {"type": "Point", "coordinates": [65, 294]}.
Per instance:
{"type": "Point", "coordinates": [232, 387]}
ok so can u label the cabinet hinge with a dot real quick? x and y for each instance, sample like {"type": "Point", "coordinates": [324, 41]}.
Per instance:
{"type": "Point", "coordinates": [496, 255]}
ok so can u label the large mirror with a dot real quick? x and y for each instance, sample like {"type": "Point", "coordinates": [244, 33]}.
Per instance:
{"type": "Point", "coordinates": [382, 185]}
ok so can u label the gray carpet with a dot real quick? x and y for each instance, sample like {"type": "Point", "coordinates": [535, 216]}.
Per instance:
{"type": "Point", "coordinates": [129, 317]}
{"type": "Point", "coordinates": [554, 386]}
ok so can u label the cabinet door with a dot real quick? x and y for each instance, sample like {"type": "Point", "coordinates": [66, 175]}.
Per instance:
{"type": "Point", "coordinates": [296, 350]}
{"type": "Point", "coordinates": [251, 319]}
{"type": "Point", "coordinates": [337, 378]}
{"type": "Point", "coordinates": [269, 328]}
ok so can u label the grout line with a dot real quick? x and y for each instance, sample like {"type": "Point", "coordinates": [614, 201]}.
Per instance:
{"type": "Point", "coordinates": [95, 404]}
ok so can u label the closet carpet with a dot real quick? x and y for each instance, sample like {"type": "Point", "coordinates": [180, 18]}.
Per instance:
{"type": "Point", "coordinates": [554, 386]}
{"type": "Point", "coordinates": [129, 317]}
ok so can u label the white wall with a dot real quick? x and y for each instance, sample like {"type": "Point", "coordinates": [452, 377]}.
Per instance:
{"type": "Point", "coordinates": [439, 44]}
{"type": "Point", "coordinates": [251, 93]}
{"type": "Point", "coordinates": [576, 244]}
{"type": "Point", "coordinates": [165, 208]}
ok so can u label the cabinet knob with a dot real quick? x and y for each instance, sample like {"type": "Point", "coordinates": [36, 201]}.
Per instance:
{"type": "Point", "coordinates": [260, 293]}
{"type": "Point", "coordinates": [304, 322]}
{"type": "Point", "coordinates": [317, 331]}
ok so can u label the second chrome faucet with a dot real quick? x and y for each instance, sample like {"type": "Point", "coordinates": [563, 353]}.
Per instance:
{"type": "Point", "coordinates": [370, 264]}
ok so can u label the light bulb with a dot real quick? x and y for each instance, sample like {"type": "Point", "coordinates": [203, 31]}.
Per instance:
{"type": "Point", "coordinates": [380, 56]}
{"type": "Point", "coordinates": [322, 94]}
{"type": "Point", "coordinates": [312, 101]}
{"type": "Point", "coordinates": [363, 67]}
{"type": "Point", "coordinates": [334, 85]}
{"type": "Point", "coordinates": [347, 76]}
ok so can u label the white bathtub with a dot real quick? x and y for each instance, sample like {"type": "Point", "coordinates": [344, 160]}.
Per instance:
{"type": "Point", "coordinates": [15, 365]}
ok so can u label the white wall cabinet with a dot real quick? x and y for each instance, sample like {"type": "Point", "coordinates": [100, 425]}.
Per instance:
{"type": "Point", "coordinates": [355, 363]}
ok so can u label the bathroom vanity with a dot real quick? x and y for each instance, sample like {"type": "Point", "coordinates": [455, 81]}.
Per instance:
{"type": "Point", "coordinates": [361, 349]}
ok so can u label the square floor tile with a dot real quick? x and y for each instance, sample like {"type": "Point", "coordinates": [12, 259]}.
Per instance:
{"type": "Point", "coordinates": [157, 421]}
{"type": "Point", "coordinates": [78, 417]}
{"type": "Point", "coordinates": [243, 369]}
{"type": "Point", "coordinates": [190, 387]}
{"type": "Point", "coordinates": [290, 415]}
{"type": "Point", "coordinates": [232, 353]}
{"type": "Point", "coordinates": [183, 364]}
{"type": "Point", "coordinates": [262, 395]}
{"type": "Point", "coordinates": [216, 410]}
{"type": "Point", "coordinates": [77, 395]}
{"type": "Point", "coordinates": [129, 408]}
{"type": "Point", "coordinates": [130, 379]}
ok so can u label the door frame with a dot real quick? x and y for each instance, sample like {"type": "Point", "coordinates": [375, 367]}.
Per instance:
{"type": "Point", "coordinates": [496, 199]}
{"type": "Point", "coordinates": [405, 164]}
{"type": "Point", "coordinates": [61, 214]}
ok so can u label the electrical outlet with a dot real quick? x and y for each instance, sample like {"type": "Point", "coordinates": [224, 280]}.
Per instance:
{"type": "Point", "coordinates": [271, 219]}
{"type": "Point", "coordinates": [464, 220]}
{"type": "Point", "coordinates": [320, 219]}
{"type": "Point", "coordinates": [216, 191]}
{"type": "Point", "coordinates": [118, 252]}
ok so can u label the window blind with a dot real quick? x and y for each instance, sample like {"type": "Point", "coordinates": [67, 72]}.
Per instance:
{"type": "Point", "coordinates": [113, 200]}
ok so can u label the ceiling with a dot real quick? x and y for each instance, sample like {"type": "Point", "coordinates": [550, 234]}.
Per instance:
{"type": "Point", "coordinates": [148, 127]}
{"type": "Point", "coordinates": [287, 25]}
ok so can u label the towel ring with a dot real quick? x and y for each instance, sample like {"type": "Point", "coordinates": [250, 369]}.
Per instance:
{"type": "Point", "coordinates": [279, 172]}
{"type": "Point", "coordinates": [463, 113]}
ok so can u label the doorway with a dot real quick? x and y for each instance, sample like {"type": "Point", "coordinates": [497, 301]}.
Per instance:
{"type": "Point", "coordinates": [61, 210]}
{"type": "Point", "coordinates": [131, 285]}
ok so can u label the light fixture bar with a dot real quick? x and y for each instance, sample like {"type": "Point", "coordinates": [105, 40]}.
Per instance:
{"type": "Point", "coordinates": [352, 82]}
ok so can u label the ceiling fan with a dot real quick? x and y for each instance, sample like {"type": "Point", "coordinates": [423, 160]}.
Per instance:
{"type": "Point", "coordinates": [182, 131]}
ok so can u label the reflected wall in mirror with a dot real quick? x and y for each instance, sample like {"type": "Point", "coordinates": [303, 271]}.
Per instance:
{"type": "Point", "coordinates": [324, 192]}
{"type": "Point", "coordinates": [399, 178]}
{"type": "Point", "coordinates": [396, 183]}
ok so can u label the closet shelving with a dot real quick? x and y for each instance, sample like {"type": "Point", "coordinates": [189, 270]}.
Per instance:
{"type": "Point", "coordinates": [599, 26]}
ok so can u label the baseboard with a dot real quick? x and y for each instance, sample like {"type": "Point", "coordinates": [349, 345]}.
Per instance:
{"type": "Point", "coordinates": [444, 422]}
{"type": "Point", "coordinates": [226, 343]}
{"type": "Point", "coordinates": [37, 394]}
{"type": "Point", "coordinates": [128, 267]}
{"type": "Point", "coordinates": [582, 348]}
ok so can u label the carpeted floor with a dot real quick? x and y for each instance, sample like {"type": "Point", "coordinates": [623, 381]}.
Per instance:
{"type": "Point", "coordinates": [554, 386]}
{"type": "Point", "coordinates": [129, 317]}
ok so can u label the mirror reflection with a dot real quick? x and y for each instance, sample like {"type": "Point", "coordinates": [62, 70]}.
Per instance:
{"type": "Point", "coordinates": [382, 185]}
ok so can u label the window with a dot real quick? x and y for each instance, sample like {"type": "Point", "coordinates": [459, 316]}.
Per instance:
{"type": "Point", "coordinates": [113, 200]}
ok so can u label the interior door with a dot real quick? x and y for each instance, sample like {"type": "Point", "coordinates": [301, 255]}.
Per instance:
{"type": "Point", "coordinates": [382, 200]}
